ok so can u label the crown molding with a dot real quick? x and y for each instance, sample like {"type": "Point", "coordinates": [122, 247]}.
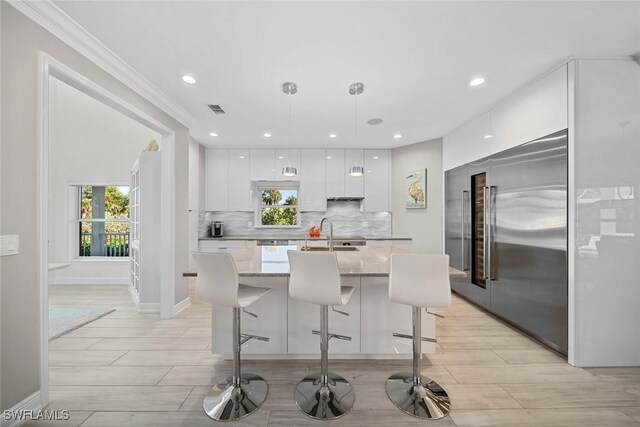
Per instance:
{"type": "Point", "coordinates": [53, 19]}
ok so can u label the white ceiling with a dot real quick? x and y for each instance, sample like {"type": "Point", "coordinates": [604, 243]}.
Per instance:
{"type": "Point", "coordinates": [415, 59]}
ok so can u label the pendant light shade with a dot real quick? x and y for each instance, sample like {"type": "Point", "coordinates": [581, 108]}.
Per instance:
{"type": "Point", "coordinates": [289, 171]}
{"type": "Point", "coordinates": [290, 89]}
{"type": "Point", "coordinates": [356, 171]}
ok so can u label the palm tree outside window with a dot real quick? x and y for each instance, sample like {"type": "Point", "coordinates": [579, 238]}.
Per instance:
{"type": "Point", "coordinates": [103, 221]}
{"type": "Point", "coordinates": [278, 207]}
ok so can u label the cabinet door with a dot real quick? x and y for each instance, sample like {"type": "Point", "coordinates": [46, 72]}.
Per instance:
{"type": "Point", "coordinates": [287, 158]}
{"type": "Point", "coordinates": [305, 317]}
{"type": "Point", "coordinates": [354, 185]}
{"type": "Point", "coordinates": [381, 318]}
{"type": "Point", "coordinates": [217, 179]}
{"type": "Point", "coordinates": [220, 245]}
{"type": "Point", "coordinates": [263, 165]}
{"type": "Point", "coordinates": [335, 173]}
{"type": "Point", "coordinates": [239, 182]}
{"type": "Point", "coordinates": [376, 180]}
{"type": "Point", "coordinates": [271, 322]}
{"type": "Point", "coordinates": [312, 195]}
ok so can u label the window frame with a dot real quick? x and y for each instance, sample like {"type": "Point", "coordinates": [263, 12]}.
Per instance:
{"type": "Point", "coordinates": [75, 220]}
{"type": "Point", "coordinates": [259, 206]}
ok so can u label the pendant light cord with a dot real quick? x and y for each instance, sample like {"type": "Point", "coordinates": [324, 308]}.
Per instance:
{"type": "Point", "coordinates": [289, 118]}
{"type": "Point", "coordinates": [356, 123]}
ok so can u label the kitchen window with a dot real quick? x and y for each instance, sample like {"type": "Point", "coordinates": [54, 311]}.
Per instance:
{"type": "Point", "coordinates": [277, 206]}
{"type": "Point", "coordinates": [102, 221]}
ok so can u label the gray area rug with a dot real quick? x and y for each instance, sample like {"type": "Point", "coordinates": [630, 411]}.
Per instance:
{"type": "Point", "coordinates": [63, 320]}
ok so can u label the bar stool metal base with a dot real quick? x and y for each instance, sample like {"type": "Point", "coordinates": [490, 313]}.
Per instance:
{"type": "Point", "coordinates": [324, 402]}
{"type": "Point", "coordinates": [227, 402]}
{"type": "Point", "coordinates": [427, 400]}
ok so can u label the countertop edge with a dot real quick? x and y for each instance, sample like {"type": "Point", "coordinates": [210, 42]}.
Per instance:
{"type": "Point", "coordinates": [336, 239]}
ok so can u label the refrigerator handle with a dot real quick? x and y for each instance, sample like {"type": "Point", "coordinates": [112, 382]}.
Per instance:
{"type": "Point", "coordinates": [486, 251]}
{"type": "Point", "coordinates": [465, 257]}
{"type": "Point", "coordinates": [489, 221]}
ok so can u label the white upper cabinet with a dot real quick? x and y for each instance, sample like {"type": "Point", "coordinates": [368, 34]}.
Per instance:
{"type": "Point", "coordinates": [217, 179]}
{"type": "Point", "coordinates": [335, 173]}
{"type": "Point", "coordinates": [536, 110]}
{"type": "Point", "coordinates": [239, 182]}
{"type": "Point", "coordinates": [312, 195]}
{"type": "Point", "coordinates": [287, 158]}
{"type": "Point", "coordinates": [263, 165]}
{"type": "Point", "coordinates": [376, 180]}
{"type": "Point", "coordinates": [354, 185]}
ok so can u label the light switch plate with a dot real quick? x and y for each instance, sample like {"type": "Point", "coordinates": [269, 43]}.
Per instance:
{"type": "Point", "coordinates": [9, 245]}
{"type": "Point", "coordinates": [365, 224]}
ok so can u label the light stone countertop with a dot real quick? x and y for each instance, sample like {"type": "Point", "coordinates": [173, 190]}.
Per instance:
{"type": "Point", "coordinates": [272, 261]}
{"type": "Point", "coordinates": [298, 238]}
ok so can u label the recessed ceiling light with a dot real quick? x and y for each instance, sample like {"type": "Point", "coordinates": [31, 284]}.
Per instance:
{"type": "Point", "coordinates": [397, 136]}
{"type": "Point", "coordinates": [189, 79]}
{"type": "Point", "coordinates": [375, 157]}
{"type": "Point", "coordinates": [332, 135]}
{"type": "Point", "coordinates": [488, 136]}
{"type": "Point", "coordinates": [241, 157]}
{"type": "Point", "coordinates": [213, 134]}
{"type": "Point", "coordinates": [477, 81]}
{"type": "Point", "coordinates": [267, 135]}
{"type": "Point", "coordinates": [329, 157]}
{"type": "Point", "coordinates": [281, 157]}
{"type": "Point", "coordinates": [374, 121]}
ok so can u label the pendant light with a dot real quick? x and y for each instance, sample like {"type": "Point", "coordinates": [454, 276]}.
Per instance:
{"type": "Point", "coordinates": [356, 89]}
{"type": "Point", "coordinates": [290, 89]}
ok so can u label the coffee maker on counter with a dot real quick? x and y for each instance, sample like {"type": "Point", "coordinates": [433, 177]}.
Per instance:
{"type": "Point", "coordinates": [217, 229]}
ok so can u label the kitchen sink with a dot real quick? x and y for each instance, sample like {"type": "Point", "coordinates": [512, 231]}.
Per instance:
{"type": "Point", "coordinates": [326, 248]}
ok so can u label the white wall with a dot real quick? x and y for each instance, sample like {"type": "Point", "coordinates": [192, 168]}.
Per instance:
{"type": "Point", "coordinates": [22, 40]}
{"type": "Point", "coordinates": [425, 226]}
{"type": "Point", "coordinates": [607, 217]}
{"type": "Point", "coordinates": [194, 197]}
{"type": "Point", "coordinates": [90, 142]}
{"type": "Point", "coordinates": [536, 110]}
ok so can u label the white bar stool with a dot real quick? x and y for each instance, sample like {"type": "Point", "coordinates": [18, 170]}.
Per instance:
{"type": "Point", "coordinates": [315, 278]}
{"type": "Point", "coordinates": [217, 283]}
{"type": "Point", "coordinates": [419, 281]}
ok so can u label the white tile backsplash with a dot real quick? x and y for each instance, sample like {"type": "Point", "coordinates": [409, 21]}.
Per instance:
{"type": "Point", "coordinates": [346, 217]}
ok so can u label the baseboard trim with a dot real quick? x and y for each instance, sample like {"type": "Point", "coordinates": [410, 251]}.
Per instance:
{"type": "Point", "coordinates": [31, 403]}
{"type": "Point", "coordinates": [89, 280]}
{"type": "Point", "coordinates": [182, 305]}
{"type": "Point", "coordinates": [143, 307]}
{"type": "Point", "coordinates": [149, 307]}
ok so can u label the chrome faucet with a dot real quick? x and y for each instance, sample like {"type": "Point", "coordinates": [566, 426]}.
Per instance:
{"type": "Point", "coordinates": [330, 231]}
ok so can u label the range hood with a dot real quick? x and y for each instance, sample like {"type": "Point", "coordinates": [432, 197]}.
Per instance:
{"type": "Point", "coordinates": [345, 199]}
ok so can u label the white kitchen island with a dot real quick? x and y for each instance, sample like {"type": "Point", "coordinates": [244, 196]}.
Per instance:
{"type": "Point", "coordinates": [288, 323]}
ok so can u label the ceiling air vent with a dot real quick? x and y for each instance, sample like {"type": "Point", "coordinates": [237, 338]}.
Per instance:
{"type": "Point", "coordinates": [216, 109]}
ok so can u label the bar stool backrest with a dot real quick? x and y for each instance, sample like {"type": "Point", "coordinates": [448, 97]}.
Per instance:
{"type": "Point", "coordinates": [315, 277]}
{"type": "Point", "coordinates": [217, 281]}
{"type": "Point", "coordinates": [420, 280]}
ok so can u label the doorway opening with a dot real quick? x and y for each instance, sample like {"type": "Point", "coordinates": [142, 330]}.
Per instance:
{"type": "Point", "coordinates": [82, 226]}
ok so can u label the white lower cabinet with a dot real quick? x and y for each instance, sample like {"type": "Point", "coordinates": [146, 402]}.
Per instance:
{"type": "Point", "coordinates": [381, 318]}
{"type": "Point", "coordinates": [271, 321]}
{"type": "Point", "coordinates": [305, 317]}
{"type": "Point", "coordinates": [288, 323]}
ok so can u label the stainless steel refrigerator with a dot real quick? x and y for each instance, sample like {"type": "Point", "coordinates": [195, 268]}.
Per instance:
{"type": "Point", "coordinates": [506, 227]}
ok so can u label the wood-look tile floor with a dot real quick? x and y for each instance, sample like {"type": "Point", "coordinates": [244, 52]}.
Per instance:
{"type": "Point", "coordinates": [130, 369]}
